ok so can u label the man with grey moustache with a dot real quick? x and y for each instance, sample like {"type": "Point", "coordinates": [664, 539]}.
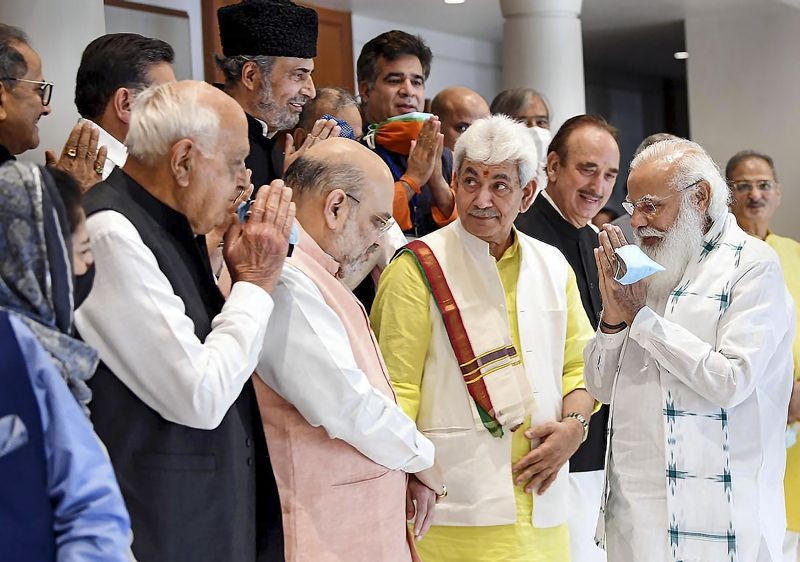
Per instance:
{"type": "Point", "coordinates": [696, 361]}
{"type": "Point", "coordinates": [268, 48]}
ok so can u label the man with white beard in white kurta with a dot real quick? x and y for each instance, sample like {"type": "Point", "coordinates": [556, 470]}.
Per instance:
{"type": "Point", "coordinates": [697, 365]}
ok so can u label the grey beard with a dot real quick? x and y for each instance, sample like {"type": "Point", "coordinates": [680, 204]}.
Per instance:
{"type": "Point", "coordinates": [277, 118]}
{"type": "Point", "coordinates": [677, 247]}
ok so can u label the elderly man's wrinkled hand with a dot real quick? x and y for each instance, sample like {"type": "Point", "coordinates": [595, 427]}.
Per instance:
{"type": "Point", "coordinates": [420, 505]}
{"type": "Point", "coordinates": [621, 302]}
{"type": "Point", "coordinates": [558, 442]}
{"type": "Point", "coordinates": [256, 249]}
{"type": "Point", "coordinates": [80, 157]}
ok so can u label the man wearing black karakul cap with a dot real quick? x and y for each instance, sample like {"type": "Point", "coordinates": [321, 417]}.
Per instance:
{"type": "Point", "coordinates": [268, 47]}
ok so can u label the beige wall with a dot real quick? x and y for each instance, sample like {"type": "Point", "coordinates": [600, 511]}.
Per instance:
{"type": "Point", "coordinates": [744, 91]}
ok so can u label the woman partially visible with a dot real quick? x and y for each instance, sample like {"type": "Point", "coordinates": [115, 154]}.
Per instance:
{"type": "Point", "coordinates": [59, 499]}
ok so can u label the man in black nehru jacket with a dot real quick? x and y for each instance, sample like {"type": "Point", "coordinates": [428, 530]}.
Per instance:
{"type": "Point", "coordinates": [268, 47]}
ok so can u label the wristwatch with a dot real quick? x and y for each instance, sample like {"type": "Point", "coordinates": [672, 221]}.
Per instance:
{"type": "Point", "coordinates": [578, 416]}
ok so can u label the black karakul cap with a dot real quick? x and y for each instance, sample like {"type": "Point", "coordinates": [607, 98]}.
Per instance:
{"type": "Point", "coordinates": [276, 28]}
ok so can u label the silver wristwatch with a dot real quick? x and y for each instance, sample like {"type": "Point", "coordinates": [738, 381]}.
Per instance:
{"type": "Point", "coordinates": [578, 416]}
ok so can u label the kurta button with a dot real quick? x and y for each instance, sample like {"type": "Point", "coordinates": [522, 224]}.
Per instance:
{"type": "Point", "coordinates": [248, 442]}
{"type": "Point", "coordinates": [249, 461]}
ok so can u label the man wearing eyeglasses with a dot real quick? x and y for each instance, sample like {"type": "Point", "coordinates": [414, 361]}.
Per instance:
{"type": "Point", "coordinates": [756, 197]}
{"type": "Point", "coordinates": [340, 445]}
{"type": "Point", "coordinates": [24, 95]}
{"type": "Point", "coordinates": [696, 364]}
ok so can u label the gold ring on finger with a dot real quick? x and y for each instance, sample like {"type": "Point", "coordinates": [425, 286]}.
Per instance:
{"type": "Point", "coordinates": [72, 152]}
{"type": "Point", "coordinates": [99, 170]}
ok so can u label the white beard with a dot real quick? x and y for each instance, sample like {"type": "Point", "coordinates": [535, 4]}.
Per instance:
{"type": "Point", "coordinates": [678, 245]}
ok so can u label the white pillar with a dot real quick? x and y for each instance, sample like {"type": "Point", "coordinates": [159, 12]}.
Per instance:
{"type": "Point", "coordinates": [58, 30]}
{"type": "Point", "coordinates": [744, 87]}
{"type": "Point", "coordinates": [543, 49]}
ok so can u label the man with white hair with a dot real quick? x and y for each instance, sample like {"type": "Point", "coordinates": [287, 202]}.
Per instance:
{"type": "Point", "coordinates": [482, 329]}
{"type": "Point", "coordinates": [697, 365]}
{"type": "Point", "coordinates": [172, 400]}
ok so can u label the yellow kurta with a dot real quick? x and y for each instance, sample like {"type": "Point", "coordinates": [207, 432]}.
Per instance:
{"type": "Point", "coordinates": [401, 321]}
{"type": "Point", "coordinates": [789, 253]}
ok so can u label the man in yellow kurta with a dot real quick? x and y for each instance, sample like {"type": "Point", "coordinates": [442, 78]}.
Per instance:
{"type": "Point", "coordinates": [479, 304]}
{"type": "Point", "coordinates": [756, 197]}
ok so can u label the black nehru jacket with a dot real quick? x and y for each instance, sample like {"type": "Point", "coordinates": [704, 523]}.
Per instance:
{"type": "Point", "coordinates": [543, 222]}
{"type": "Point", "coordinates": [192, 494]}
{"type": "Point", "coordinates": [265, 158]}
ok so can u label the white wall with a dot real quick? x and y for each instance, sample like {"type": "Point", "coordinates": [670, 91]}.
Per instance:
{"type": "Point", "coordinates": [744, 92]}
{"type": "Point", "coordinates": [193, 8]}
{"type": "Point", "coordinates": [58, 31]}
{"type": "Point", "coordinates": [457, 61]}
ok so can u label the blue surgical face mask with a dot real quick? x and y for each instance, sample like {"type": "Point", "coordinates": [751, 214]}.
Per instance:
{"type": "Point", "coordinates": [347, 131]}
{"type": "Point", "coordinates": [637, 265]}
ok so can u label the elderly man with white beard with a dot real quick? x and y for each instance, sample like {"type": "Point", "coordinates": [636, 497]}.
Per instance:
{"type": "Point", "coordinates": [696, 363]}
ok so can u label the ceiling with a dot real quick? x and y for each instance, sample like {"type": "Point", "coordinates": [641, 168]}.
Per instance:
{"type": "Point", "coordinates": [637, 36]}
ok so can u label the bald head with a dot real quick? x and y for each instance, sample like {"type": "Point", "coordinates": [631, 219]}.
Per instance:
{"type": "Point", "coordinates": [339, 163]}
{"type": "Point", "coordinates": [343, 192]}
{"type": "Point", "coordinates": [458, 107]}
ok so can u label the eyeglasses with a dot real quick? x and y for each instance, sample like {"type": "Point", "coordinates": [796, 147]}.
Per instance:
{"type": "Point", "coordinates": [648, 205]}
{"type": "Point", "coordinates": [385, 224]}
{"type": "Point", "coordinates": [542, 122]}
{"type": "Point", "coordinates": [764, 186]}
{"type": "Point", "coordinates": [45, 88]}
{"type": "Point", "coordinates": [240, 189]}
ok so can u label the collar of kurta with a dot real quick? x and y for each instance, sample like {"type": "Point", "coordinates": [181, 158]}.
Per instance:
{"type": "Point", "coordinates": [555, 217]}
{"type": "Point", "coordinates": [479, 246]}
{"type": "Point", "coordinates": [117, 151]}
{"type": "Point", "coordinates": [309, 246]}
{"type": "Point", "coordinates": [256, 128]}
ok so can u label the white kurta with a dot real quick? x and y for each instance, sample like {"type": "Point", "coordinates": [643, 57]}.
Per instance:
{"type": "Point", "coordinates": [307, 359]}
{"type": "Point", "coordinates": [140, 328]}
{"type": "Point", "coordinates": [696, 453]}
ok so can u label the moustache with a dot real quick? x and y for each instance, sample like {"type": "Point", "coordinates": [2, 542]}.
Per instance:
{"type": "Point", "coordinates": [301, 99]}
{"type": "Point", "coordinates": [484, 213]}
{"type": "Point", "coordinates": [755, 204]}
{"type": "Point", "coordinates": [649, 232]}
{"type": "Point", "coordinates": [590, 193]}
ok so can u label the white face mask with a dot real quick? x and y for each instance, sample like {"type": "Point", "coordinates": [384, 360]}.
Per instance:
{"type": "Point", "coordinates": [541, 138]}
